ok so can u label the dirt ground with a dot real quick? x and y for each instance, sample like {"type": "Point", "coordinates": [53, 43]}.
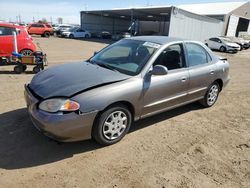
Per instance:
{"type": "Point", "coordinates": [186, 147]}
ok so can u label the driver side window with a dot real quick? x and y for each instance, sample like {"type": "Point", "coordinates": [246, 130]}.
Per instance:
{"type": "Point", "coordinates": [172, 57]}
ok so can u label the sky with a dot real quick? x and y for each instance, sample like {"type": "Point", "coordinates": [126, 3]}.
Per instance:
{"type": "Point", "coordinates": [69, 10]}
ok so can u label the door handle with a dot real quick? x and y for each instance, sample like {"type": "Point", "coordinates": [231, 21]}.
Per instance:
{"type": "Point", "coordinates": [183, 79]}
{"type": "Point", "coordinates": [211, 71]}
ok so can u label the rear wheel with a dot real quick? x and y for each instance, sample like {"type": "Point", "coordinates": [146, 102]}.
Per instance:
{"type": "Point", "coordinates": [211, 95]}
{"type": "Point", "coordinates": [71, 36]}
{"type": "Point", "coordinates": [112, 125]}
{"type": "Point", "coordinates": [46, 34]}
{"type": "Point", "coordinates": [223, 49]}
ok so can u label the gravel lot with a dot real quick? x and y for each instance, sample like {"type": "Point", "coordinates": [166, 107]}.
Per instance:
{"type": "Point", "coordinates": [186, 147]}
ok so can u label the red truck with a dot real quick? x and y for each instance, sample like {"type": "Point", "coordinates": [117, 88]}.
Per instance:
{"type": "Point", "coordinates": [45, 30]}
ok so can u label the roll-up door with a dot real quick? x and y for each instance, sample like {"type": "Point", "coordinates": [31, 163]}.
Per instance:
{"type": "Point", "coordinates": [232, 25]}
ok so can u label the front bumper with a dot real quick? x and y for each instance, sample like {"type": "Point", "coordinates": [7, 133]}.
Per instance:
{"type": "Point", "coordinates": [65, 35]}
{"type": "Point", "coordinates": [233, 49]}
{"type": "Point", "coordinates": [62, 127]}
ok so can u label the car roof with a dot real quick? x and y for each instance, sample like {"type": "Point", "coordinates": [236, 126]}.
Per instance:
{"type": "Point", "coordinates": [157, 39]}
{"type": "Point", "coordinates": [11, 25]}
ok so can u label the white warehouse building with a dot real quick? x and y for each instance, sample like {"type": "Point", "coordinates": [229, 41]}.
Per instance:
{"type": "Point", "coordinates": [163, 20]}
{"type": "Point", "coordinates": [190, 21]}
{"type": "Point", "coordinates": [235, 15]}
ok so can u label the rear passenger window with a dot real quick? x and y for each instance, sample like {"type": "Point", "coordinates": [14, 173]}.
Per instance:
{"type": "Point", "coordinates": [5, 31]}
{"type": "Point", "coordinates": [197, 55]}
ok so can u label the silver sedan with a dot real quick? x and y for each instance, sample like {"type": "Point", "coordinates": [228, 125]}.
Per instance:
{"type": "Point", "coordinates": [129, 80]}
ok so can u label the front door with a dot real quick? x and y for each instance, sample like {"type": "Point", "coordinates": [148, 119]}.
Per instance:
{"type": "Point", "coordinates": [166, 91]}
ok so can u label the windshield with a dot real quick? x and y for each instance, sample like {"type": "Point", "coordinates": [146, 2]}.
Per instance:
{"type": "Point", "coordinates": [73, 29]}
{"type": "Point", "coordinates": [226, 40]}
{"type": "Point", "coordinates": [125, 56]}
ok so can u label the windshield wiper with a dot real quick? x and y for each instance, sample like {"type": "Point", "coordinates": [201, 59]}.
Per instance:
{"type": "Point", "coordinates": [106, 66]}
{"type": "Point", "coordinates": [102, 65]}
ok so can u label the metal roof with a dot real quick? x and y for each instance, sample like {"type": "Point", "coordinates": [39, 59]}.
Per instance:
{"type": "Point", "coordinates": [143, 13]}
{"type": "Point", "coordinates": [221, 8]}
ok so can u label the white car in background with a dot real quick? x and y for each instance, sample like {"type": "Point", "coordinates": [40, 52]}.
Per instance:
{"type": "Point", "coordinates": [76, 33]}
{"type": "Point", "coordinates": [222, 44]}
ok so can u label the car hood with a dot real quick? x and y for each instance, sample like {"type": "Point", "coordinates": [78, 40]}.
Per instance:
{"type": "Point", "coordinates": [69, 79]}
{"type": "Point", "coordinates": [232, 44]}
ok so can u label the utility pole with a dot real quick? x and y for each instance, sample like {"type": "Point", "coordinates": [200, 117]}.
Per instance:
{"type": "Point", "coordinates": [19, 16]}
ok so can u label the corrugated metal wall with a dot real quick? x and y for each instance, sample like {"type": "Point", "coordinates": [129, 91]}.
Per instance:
{"type": "Point", "coordinates": [95, 23]}
{"type": "Point", "coordinates": [159, 28]}
{"type": "Point", "coordinates": [187, 25]}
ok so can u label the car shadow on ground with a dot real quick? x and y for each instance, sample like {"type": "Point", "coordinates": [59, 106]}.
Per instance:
{"type": "Point", "coordinates": [13, 72]}
{"type": "Point", "coordinates": [22, 146]}
{"type": "Point", "coordinates": [98, 40]}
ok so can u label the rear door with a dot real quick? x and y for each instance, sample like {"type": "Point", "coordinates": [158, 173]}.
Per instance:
{"type": "Point", "coordinates": [201, 70]}
{"type": "Point", "coordinates": [32, 29]}
{"type": "Point", "coordinates": [6, 40]}
{"type": "Point", "coordinates": [212, 43]}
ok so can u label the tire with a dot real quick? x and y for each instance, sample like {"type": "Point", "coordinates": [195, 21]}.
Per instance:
{"type": "Point", "coordinates": [36, 69]}
{"type": "Point", "coordinates": [112, 125]}
{"type": "Point", "coordinates": [223, 49]}
{"type": "Point", "coordinates": [18, 69]}
{"type": "Point", "coordinates": [211, 95]}
{"type": "Point", "coordinates": [71, 36]}
{"type": "Point", "coordinates": [46, 34]}
{"type": "Point", "coordinates": [24, 67]}
{"type": "Point", "coordinates": [26, 52]}
{"type": "Point", "coordinates": [87, 36]}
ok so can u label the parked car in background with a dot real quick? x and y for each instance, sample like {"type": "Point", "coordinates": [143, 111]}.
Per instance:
{"type": "Point", "coordinates": [104, 35]}
{"type": "Point", "coordinates": [45, 30]}
{"type": "Point", "coordinates": [61, 28]}
{"type": "Point", "coordinates": [76, 33]}
{"type": "Point", "coordinates": [25, 43]}
{"type": "Point", "coordinates": [222, 44]}
{"type": "Point", "coordinates": [129, 80]}
{"type": "Point", "coordinates": [243, 44]}
{"type": "Point", "coordinates": [121, 35]}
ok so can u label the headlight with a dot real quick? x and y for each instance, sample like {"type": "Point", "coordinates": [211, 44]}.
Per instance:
{"type": "Point", "coordinates": [59, 104]}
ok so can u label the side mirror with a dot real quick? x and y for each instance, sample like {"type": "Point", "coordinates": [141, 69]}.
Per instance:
{"type": "Point", "coordinates": [159, 70]}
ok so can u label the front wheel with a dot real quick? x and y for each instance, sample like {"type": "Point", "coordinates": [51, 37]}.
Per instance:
{"type": "Point", "coordinates": [112, 125]}
{"type": "Point", "coordinates": [71, 36]}
{"type": "Point", "coordinates": [36, 69]}
{"type": "Point", "coordinates": [211, 95]}
{"type": "Point", "coordinates": [18, 69]}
